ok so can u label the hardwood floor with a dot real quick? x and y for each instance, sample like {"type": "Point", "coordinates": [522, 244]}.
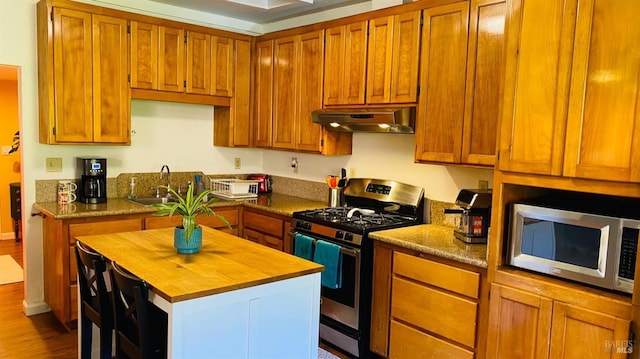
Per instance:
{"type": "Point", "coordinates": [42, 336]}
{"type": "Point", "coordinates": [36, 336]}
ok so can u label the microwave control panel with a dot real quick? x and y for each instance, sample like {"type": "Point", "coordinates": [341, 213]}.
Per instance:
{"type": "Point", "coordinates": [628, 251]}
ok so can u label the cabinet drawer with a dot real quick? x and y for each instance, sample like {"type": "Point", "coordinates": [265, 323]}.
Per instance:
{"type": "Point", "coordinates": [104, 227]}
{"type": "Point", "coordinates": [264, 224]}
{"type": "Point", "coordinates": [440, 275]}
{"type": "Point", "coordinates": [406, 342]}
{"type": "Point", "coordinates": [273, 242]}
{"type": "Point", "coordinates": [438, 312]}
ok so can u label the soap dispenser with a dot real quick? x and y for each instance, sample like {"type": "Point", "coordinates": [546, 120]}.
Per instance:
{"type": "Point", "coordinates": [199, 185]}
{"type": "Point", "coordinates": [132, 194]}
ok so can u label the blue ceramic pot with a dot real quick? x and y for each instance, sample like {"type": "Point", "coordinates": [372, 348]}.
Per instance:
{"type": "Point", "coordinates": [184, 247]}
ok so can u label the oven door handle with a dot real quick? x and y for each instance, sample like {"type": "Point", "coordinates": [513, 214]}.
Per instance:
{"type": "Point", "coordinates": [344, 250]}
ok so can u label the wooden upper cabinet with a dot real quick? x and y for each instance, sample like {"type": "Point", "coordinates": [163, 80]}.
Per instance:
{"type": "Point", "coordinates": [285, 92]}
{"type": "Point", "coordinates": [603, 122]}
{"type": "Point", "coordinates": [405, 57]}
{"type": "Point", "coordinates": [263, 93]}
{"type": "Point", "coordinates": [484, 70]}
{"type": "Point", "coordinates": [86, 96]}
{"type": "Point", "coordinates": [345, 64]}
{"type": "Point", "coordinates": [111, 98]}
{"type": "Point", "coordinates": [198, 79]}
{"type": "Point", "coordinates": [379, 60]}
{"type": "Point", "coordinates": [310, 71]}
{"type": "Point", "coordinates": [73, 80]}
{"type": "Point", "coordinates": [571, 90]}
{"type": "Point", "coordinates": [538, 53]}
{"type": "Point", "coordinates": [222, 72]}
{"type": "Point", "coordinates": [232, 125]}
{"type": "Point", "coordinates": [440, 114]}
{"type": "Point", "coordinates": [171, 59]}
{"type": "Point", "coordinates": [144, 55]}
{"type": "Point", "coordinates": [392, 71]}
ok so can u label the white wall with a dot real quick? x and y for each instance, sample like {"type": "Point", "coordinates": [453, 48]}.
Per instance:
{"type": "Point", "coordinates": [158, 125]}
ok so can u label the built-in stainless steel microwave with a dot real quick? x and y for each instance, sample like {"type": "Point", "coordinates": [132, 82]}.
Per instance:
{"type": "Point", "coordinates": [589, 248]}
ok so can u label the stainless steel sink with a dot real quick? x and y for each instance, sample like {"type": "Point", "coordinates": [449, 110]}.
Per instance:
{"type": "Point", "coordinates": [148, 201]}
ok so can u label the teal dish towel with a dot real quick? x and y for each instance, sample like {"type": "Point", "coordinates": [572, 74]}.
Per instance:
{"type": "Point", "coordinates": [328, 254]}
{"type": "Point", "coordinates": [303, 246]}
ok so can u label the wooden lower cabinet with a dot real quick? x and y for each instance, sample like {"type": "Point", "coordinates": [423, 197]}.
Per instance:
{"type": "Point", "coordinates": [267, 229]}
{"type": "Point", "coordinates": [426, 308]}
{"type": "Point", "coordinates": [59, 238]}
{"type": "Point", "coordinates": [523, 324]}
{"type": "Point", "coordinates": [60, 271]}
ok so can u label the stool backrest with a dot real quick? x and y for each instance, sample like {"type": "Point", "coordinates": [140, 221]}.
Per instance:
{"type": "Point", "coordinates": [92, 268]}
{"type": "Point", "coordinates": [132, 315]}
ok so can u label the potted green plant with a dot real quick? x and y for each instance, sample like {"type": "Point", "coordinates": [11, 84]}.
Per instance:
{"type": "Point", "coordinates": [188, 238]}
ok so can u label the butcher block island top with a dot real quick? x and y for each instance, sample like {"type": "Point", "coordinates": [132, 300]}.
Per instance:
{"type": "Point", "coordinates": [225, 262]}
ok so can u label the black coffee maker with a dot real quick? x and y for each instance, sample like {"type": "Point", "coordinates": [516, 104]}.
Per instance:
{"type": "Point", "coordinates": [93, 180]}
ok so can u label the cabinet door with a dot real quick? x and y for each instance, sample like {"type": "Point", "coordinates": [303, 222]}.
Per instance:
{"type": "Point", "coordinates": [379, 60]}
{"type": "Point", "coordinates": [310, 69]}
{"type": "Point", "coordinates": [405, 57]}
{"type": "Point", "coordinates": [441, 105]}
{"type": "Point", "coordinates": [111, 98]}
{"type": "Point", "coordinates": [285, 88]}
{"type": "Point", "coordinates": [519, 324]}
{"type": "Point", "coordinates": [263, 94]}
{"type": "Point", "coordinates": [538, 53]}
{"type": "Point", "coordinates": [222, 66]}
{"type": "Point", "coordinates": [171, 59]}
{"type": "Point", "coordinates": [144, 55]}
{"type": "Point", "coordinates": [72, 76]}
{"type": "Point", "coordinates": [581, 333]}
{"type": "Point", "coordinates": [484, 64]}
{"type": "Point", "coordinates": [603, 129]}
{"type": "Point", "coordinates": [345, 64]}
{"type": "Point", "coordinates": [198, 63]}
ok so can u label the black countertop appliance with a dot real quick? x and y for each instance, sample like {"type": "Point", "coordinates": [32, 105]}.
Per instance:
{"type": "Point", "coordinates": [475, 215]}
{"type": "Point", "coordinates": [93, 180]}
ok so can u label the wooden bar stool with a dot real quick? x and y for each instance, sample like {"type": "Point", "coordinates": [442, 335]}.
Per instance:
{"type": "Point", "coordinates": [95, 305]}
{"type": "Point", "coordinates": [141, 327]}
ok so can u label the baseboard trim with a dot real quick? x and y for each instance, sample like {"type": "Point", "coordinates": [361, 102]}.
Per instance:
{"type": "Point", "coordinates": [34, 308]}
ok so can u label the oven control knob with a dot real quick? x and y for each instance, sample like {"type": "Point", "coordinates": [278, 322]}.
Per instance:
{"type": "Point", "coordinates": [298, 223]}
{"type": "Point", "coordinates": [339, 234]}
{"type": "Point", "coordinates": [306, 225]}
{"type": "Point", "coordinates": [348, 236]}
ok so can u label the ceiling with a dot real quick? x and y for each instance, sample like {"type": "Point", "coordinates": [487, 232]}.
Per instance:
{"type": "Point", "coordinates": [260, 11]}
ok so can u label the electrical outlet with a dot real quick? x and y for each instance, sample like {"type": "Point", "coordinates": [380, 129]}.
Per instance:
{"type": "Point", "coordinates": [482, 184]}
{"type": "Point", "coordinates": [237, 163]}
{"type": "Point", "coordinates": [54, 164]}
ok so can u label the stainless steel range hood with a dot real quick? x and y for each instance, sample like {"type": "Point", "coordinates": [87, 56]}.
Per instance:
{"type": "Point", "coordinates": [395, 120]}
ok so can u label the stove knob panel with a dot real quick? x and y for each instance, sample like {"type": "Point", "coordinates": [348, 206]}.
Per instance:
{"type": "Point", "coordinates": [306, 225]}
{"type": "Point", "coordinates": [339, 234]}
{"type": "Point", "coordinates": [299, 223]}
{"type": "Point", "coordinates": [348, 236]}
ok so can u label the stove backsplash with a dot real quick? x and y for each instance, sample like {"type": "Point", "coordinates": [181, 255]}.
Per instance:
{"type": "Point", "coordinates": [438, 217]}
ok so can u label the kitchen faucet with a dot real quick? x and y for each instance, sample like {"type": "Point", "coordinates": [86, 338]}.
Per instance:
{"type": "Point", "coordinates": [168, 179]}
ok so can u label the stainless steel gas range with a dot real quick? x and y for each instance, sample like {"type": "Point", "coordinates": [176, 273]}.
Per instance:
{"type": "Point", "coordinates": [370, 205]}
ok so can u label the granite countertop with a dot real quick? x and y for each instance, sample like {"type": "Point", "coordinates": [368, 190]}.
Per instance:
{"type": "Point", "coordinates": [271, 202]}
{"type": "Point", "coordinates": [436, 240]}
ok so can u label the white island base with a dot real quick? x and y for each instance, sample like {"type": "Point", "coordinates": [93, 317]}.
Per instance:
{"type": "Point", "coordinates": [276, 320]}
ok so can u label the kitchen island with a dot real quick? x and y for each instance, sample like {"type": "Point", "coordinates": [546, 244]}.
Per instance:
{"type": "Point", "coordinates": [233, 299]}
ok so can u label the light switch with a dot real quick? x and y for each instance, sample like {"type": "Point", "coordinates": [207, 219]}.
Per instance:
{"type": "Point", "coordinates": [54, 164]}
